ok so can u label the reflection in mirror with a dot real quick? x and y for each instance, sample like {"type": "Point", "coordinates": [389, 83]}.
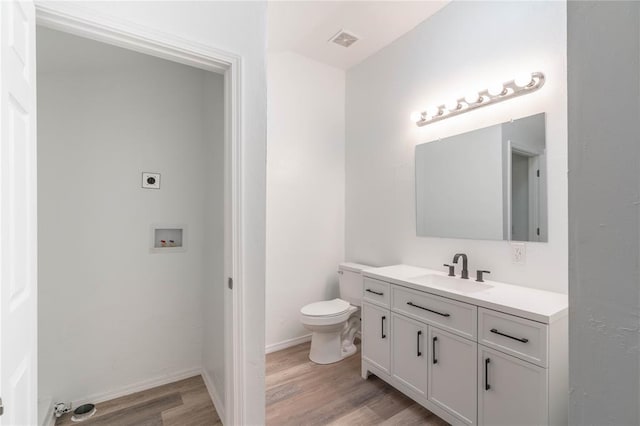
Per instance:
{"type": "Point", "coordinates": [488, 184]}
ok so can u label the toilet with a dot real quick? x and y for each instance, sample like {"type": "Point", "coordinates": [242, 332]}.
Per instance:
{"type": "Point", "coordinates": [334, 323]}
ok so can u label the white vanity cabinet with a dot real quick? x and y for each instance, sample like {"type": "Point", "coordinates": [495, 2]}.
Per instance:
{"type": "Point", "coordinates": [425, 362]}
{"type": "Point", "coordinates": [472, 359]}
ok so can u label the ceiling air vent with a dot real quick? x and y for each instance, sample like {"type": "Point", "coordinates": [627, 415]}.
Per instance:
{"type": "Point", "coordinates": [343, 38]}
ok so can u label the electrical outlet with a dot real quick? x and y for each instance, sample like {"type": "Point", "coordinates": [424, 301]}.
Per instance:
{"type": "Point", "coordinates": [150, 180]}
{"type": "Point", "coordinates": [518, 253]}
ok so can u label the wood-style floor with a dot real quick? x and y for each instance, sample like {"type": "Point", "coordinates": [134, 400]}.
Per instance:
{"type": "Point", "coordinates": [300, 392]}
{"type": "Point", "coordinates": [183, 403]}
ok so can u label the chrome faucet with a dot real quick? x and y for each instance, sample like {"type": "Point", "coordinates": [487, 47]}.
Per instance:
{"type": "Point", "coordinates": [465, 272]}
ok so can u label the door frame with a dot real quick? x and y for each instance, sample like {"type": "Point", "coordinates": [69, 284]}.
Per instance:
{"type": "Point", "coordinates": [535, 159]}
{"type": "Point", "coordinates": [79, 21]}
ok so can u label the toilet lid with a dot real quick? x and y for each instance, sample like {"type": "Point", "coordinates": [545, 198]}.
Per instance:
{"type": "Point", "coordinates": [325, 308]}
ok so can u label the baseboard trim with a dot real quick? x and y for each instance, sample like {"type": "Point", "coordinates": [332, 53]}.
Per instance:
{"type": "Point", "coordinates": [275, 347]}
{"type": "Point", "coordinates": [138, 387]}
{"type": "Point", "coordinates": [215, 396]}
{"type": "Point", "coordinates": [52, 419]}
{"type": "Point", "coordinates": [45, 413]}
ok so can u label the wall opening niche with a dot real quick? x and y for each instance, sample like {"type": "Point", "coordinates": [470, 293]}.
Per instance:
{"type": "Point", "coordinates": [168, 238]}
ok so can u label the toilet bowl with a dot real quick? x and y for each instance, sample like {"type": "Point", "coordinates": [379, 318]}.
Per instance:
{"type": "Point", "coordinates": [334, 323]}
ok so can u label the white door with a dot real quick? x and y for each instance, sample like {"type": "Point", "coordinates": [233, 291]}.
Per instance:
{"type": "Point", "coordinates": [453, 374]}
{"type": "Point", "coordinates": [511, 392]}
{"type": "Point", "coordinates": [375, 336]}
{"type": "Point", "coordinates": [409, 353]}
{"type": "Point", "coordinates": [18, 240]}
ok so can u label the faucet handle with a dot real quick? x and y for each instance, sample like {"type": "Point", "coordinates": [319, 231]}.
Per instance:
{"type": "Point", "coordinates": [451, 270]}
{"type": "Point", "coordinates": [479, 275]}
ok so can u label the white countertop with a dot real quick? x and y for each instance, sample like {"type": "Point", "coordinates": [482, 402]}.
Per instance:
{"type": "Point", "coordinates": [538, 305]}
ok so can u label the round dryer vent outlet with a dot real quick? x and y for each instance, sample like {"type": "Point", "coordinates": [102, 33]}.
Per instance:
{"type": "Point", "coordinates": [83, 412]}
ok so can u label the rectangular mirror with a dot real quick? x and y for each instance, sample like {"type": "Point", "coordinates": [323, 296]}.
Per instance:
{"type": "Point", "coordinates": [488, 184]}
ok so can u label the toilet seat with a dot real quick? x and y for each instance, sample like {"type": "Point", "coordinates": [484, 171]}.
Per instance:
{"type": "Point", "coordinates": [326, 308]}
{"type": "Point", "coordinates": [327, 313]}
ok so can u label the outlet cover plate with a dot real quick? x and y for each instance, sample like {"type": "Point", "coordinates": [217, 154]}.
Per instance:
{"type": "Point", "coordinates": [518, 253]}
{"type": "Point", "coordinates": [150, 180]}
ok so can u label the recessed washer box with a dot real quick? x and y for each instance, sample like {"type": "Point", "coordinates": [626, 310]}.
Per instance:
{"type": "Point", "coordinates": [168, 238]}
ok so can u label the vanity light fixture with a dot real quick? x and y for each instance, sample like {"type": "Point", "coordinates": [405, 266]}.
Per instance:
{"type": "Point", "coordinates": [521, 85]}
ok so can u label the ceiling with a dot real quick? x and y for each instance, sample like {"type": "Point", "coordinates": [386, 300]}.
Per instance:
{"type": "Point", "coordinates": [305, 27]}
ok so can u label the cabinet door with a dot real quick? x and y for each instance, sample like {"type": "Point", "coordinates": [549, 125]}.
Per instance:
{"type": "Point", "coordinates": [511, 392]}
{"type": "Point", "coordinates": [409, 352]}
{"type": "Point", "coordinates": [375, 335]}
{"type": "Point", "coordinates": [453, 374]}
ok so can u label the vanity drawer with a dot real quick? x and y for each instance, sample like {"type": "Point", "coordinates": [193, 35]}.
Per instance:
{"type": "Point", "coordinates": [377, 292]}
{"type": "Point", "coordinates": [458, 317]}
{"type": "Point", "coordinates": [517, 336]}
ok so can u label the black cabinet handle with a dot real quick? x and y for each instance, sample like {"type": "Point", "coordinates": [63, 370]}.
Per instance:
{"type": "Point", "coordinates": [427, 309]}
{"type": "Point", "coordinates": [382, 327]}
{"type": "Point", "coordinates": [375, 292]}
{"type": "Point", "coordinates": [487, 386]}
{"type": "Point", "coordinates": [519, 339]}
{"type": "Point", "coordinates": [418, 343]}
{"type": "Point", "coordinates": [435, 339]}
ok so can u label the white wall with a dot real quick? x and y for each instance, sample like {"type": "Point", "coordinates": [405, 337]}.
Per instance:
{"type": "Point", "coordinates": [214, 279]}
{"type": "Point", "coordinates": [112, 314]}
{"type": "Point", "coordinates": [604, 232]}
{"type": "Point", "coordinates": [463, 46]}
{"type": "Point", "coordinates": [240, 28]}
{"type": "Point", "coordinates": [305, 188]}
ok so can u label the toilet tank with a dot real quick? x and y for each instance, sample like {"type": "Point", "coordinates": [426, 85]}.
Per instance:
{"type": "Point", "coordinates": [350, 276]}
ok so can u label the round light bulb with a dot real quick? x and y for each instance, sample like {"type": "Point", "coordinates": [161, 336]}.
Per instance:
{"type": "Point", "coordinates": [496, 89]}
{"type": "Point", "coordinates": [472, 98]}
{"type": "Point", "coordinates": [433, 111]}
{"type": "Point", "coordinates": [416, 116]}
{"type": "Point", "coordinates": [523, 80]}
{"type": "Point", "coordinates": [452, 105]}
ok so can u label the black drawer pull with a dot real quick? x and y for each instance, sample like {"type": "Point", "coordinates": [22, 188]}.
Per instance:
{"type": "Point", "coordinates": [418, 343]}
{"type": "Point", "coordinates": [487, 386]}
{"type": "Point", "coordinates": [523, 340]}
{"type": "Point", "coordinates": [435, 361]}
{"type": "Point", "coordinates": [382, 327]}
{"type": "Point", "coordinates": [375, 292]}
{"type": "Point", "coordinates": [427, 309]}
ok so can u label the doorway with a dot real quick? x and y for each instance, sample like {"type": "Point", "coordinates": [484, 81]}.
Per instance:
{"type": "Point", "coordinates": [527, 198]}
{"type": "Point", "coordinates": [19, 387]}
{"type": "Point", "coordinates": [131, 222]}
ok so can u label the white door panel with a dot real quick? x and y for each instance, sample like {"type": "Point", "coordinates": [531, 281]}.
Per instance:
{"type": "Point", "coordinates": [409, 349]}
{"type": "Point", "coordinates": [376, 336]}
{"type": "Point", "coordinates": [511, 392]}
{"type": "Point", "coordinates": [452, 374]}
{"type": "Point", "coordinates": [18, 226]}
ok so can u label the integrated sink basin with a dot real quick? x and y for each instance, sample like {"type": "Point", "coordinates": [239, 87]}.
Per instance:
{"type": "Point", "coordinates": [450, 283]}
